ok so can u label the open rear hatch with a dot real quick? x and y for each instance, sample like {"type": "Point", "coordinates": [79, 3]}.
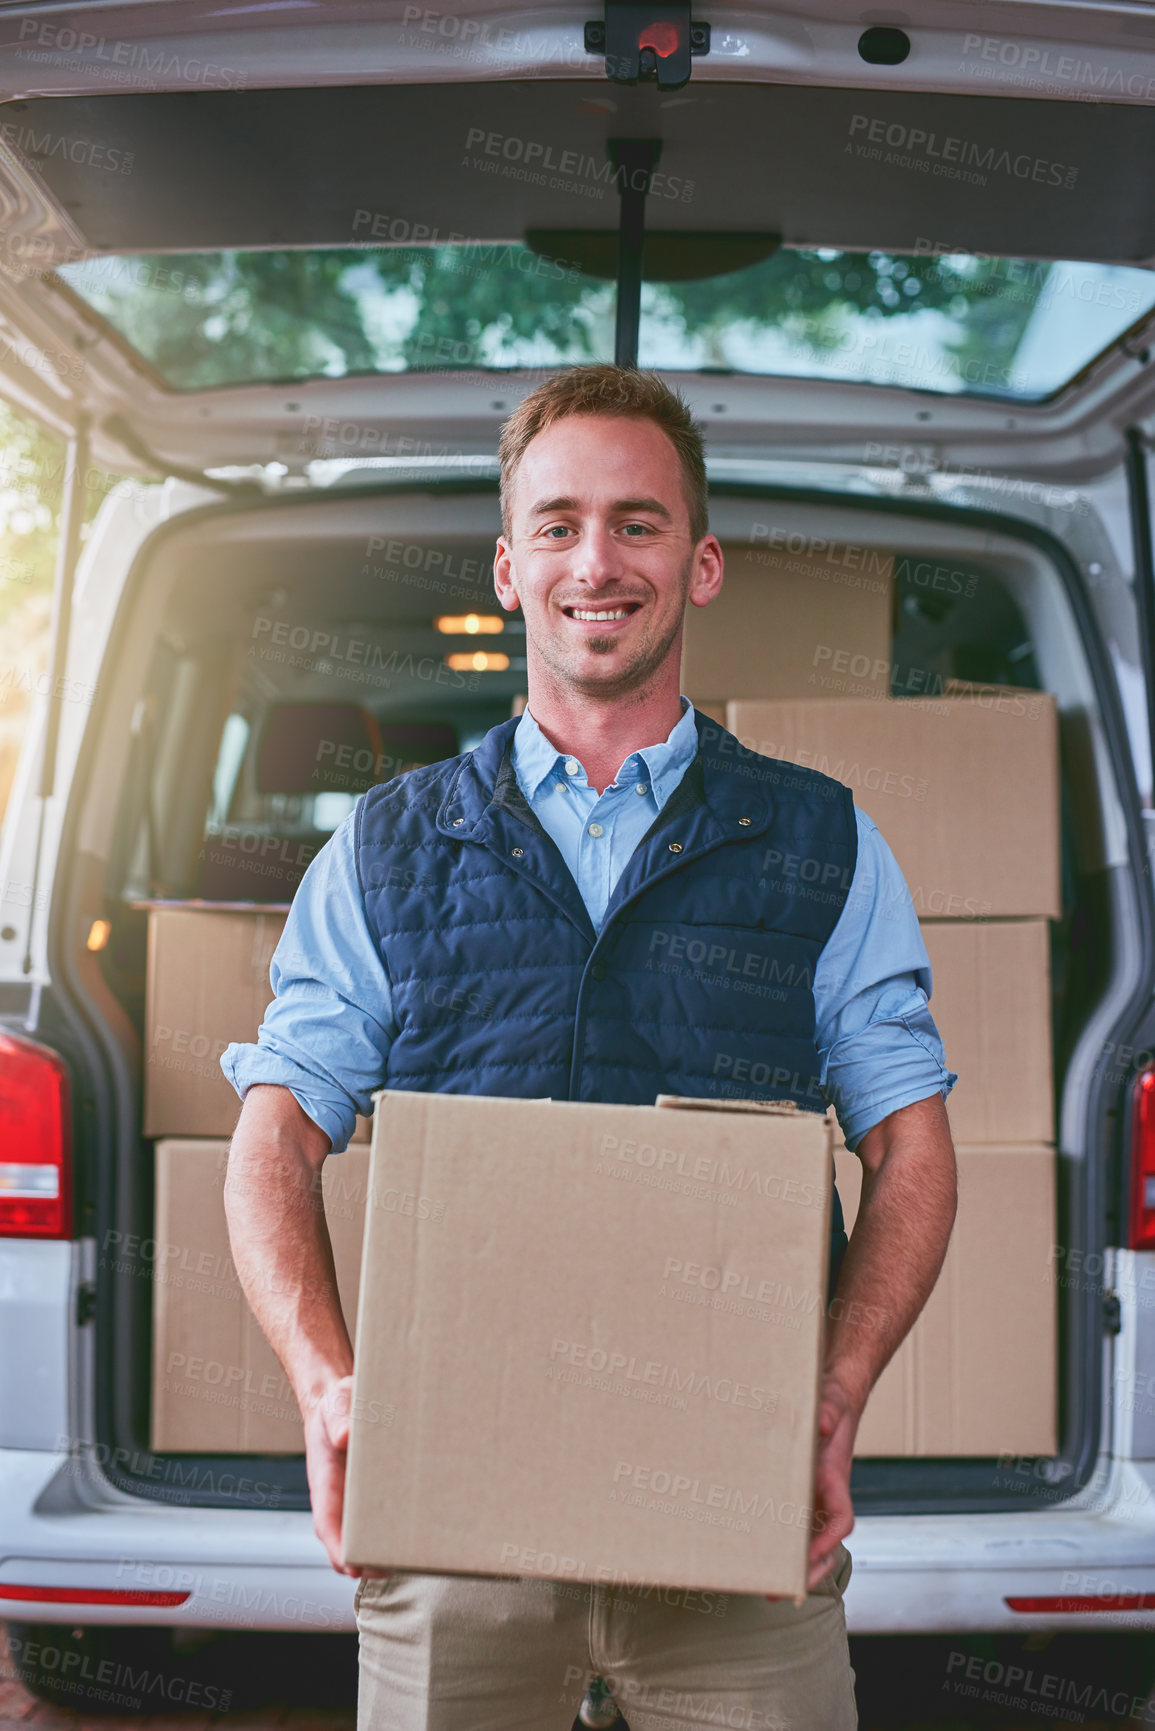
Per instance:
{"type": "Point", "coordinates": [298, 226]}
{"type": "Point", "coordinates": [241, 286]}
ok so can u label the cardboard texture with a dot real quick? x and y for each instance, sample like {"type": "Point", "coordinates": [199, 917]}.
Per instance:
{"type": "Point", "coordinates": [992, 1006]}
{"type": "Point", "coordinates": [966, 792]}
{"type": "Point", "coordinates": [596, 1332]}
{"type": "Point", "coordinates": [977, 1373]}
{"type": "Point", "coordinates": [217, 1386]}
{"type": "Point", "coordinates": [810, 622]}
{"type": "Point", "coordinates": [207, 985]}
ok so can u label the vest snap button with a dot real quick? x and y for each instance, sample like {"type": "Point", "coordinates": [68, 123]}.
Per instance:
{"type": "Point", "coordinates": [675, 847]}
{"type": "Point", "coordinates": [517, 852]}
{"type": "Point", "coordinates": [457, 822]}
{"type": "Point", "coordinates": [745, 822]}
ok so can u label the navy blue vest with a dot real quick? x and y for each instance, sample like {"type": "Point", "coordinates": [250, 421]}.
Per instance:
{"type": "Point", "coordinates": [700, 980]}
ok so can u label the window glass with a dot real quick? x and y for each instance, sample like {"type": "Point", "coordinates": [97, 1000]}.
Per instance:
{"type": "Point", "coordinates": [995, 327]}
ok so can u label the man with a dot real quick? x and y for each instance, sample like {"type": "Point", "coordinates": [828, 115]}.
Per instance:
{"type": "Point", "coordinates": [532, 875]}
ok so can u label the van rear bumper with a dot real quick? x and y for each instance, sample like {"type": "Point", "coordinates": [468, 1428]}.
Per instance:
{"type": "Point", "coordinates": [927, 1574]}
{"type": "Point", "coordinates": [245, 1568]}
{"type": "Point", "coordinates": [62, 1525]}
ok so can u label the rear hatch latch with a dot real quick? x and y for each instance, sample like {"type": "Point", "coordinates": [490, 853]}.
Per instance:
{"type": "Point", "coordinates": [647, 42]}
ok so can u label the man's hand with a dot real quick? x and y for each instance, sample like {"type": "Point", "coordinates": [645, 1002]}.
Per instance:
{"type": "Point", "coordinates": [281, 1247]}
{"type": "Point", "coordinates": [833, 1511]}
{"type": "Point", "coordinates": [905, 1214]}
{"type": "Point", "coordinates": [326, 1446]}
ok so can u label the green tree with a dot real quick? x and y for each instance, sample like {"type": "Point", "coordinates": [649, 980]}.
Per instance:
{"type": "Point", "coordinates": [214, 318]}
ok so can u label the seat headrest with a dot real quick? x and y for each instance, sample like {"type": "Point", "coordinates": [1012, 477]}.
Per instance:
{"type": "Point", "coordinates": [317, 748]}
{"type": "Point", "coordinates": [409, 743]}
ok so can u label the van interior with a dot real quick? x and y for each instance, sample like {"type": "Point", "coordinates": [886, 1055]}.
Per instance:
{"type": "Point", "coordinates": [276, 658]}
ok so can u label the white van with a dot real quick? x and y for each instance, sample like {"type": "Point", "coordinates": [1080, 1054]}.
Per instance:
{"type": "Point", "coordinates": [287, 273]}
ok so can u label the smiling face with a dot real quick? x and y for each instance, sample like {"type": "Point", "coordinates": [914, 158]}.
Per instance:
{"type": "Point", "coordinates": [599, 556]}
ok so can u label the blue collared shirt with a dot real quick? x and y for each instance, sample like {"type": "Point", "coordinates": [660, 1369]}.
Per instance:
{"type": "Point", "coordinates": [326, 1035]}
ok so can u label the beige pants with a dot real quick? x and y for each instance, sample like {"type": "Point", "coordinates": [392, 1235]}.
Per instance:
{"type": "Point", "coordinates": [444, 1653]}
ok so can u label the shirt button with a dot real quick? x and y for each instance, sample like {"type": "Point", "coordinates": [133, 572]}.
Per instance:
{"type": "Point", "coordinates": [457, 822]}
{"type": "Point", "coordinates": [572, 765]}
{"type": "Point", "coordinates": [643, 787]}
{"type": "Point", "coordinates": [595, 829]}
{"type": "Point", "coordinates": [675, 847]}
{"type": "Point", "coordinates": [745, 822]}
{"type": "Point", "coordinates": [598, 970]}
{"type": "Point", "coordinates": [517, 852]}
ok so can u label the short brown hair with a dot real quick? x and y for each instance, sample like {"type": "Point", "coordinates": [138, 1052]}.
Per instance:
{"type": "Point", "coordinates": [608, 390]}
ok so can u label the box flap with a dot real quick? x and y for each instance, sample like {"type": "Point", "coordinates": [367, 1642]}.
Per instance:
{"type": "Point", "coordinates": [692, 1103]}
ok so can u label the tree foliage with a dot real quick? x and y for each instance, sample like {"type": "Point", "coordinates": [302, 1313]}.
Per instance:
{"type": "Point", "coordinates": [216, 318]}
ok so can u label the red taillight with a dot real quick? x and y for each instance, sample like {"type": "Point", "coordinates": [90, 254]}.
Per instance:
{"type": "Point", "coordinates": [35, 1169]}
{"type": "Point", "coordinates": [1143, 1163]}
{"type": "Point", "coordinates": [87, 1596]}
{"type": "Point", "coordinates": [1079, 1604]}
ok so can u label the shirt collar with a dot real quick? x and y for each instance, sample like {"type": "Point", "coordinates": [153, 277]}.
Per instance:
{"type": "Point", "coordinates": [535, 757]}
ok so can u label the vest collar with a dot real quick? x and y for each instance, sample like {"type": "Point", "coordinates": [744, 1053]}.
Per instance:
{"type": "Point", "coordinates": [736, 783]}
{"type": "Point", "coordinates": [471, 789]}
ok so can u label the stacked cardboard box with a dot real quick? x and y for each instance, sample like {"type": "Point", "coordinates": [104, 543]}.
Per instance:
{"type": "Point", "coordinates": [992, 1006]}
{"type": "Point", "coordinates": [217, 1387]}
{"type": "Point", "coordinates": [797, 616]}
{"type": "Point", "coordinates": [966, 794]}
{"type": "Point", "coordinates": [965, 790]}
{"type": "Point", "coordinates": [207, 985]}
{"type": "Point", "coordinates": [976, 1374]}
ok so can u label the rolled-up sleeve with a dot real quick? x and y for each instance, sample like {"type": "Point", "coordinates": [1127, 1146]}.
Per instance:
{"type": "Point", "coordinates": [327, 1033]}
{"type": "Point", "coordinates": [879, 1047]}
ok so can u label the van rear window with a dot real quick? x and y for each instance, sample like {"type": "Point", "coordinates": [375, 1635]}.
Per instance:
{"type": "Point", "coordinates": [957, 323]}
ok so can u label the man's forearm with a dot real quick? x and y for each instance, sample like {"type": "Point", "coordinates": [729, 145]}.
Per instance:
{"type": "Point", "coordinates": [907, 1209]}
{"type": "Point", "coordinates": [280, 1242]}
